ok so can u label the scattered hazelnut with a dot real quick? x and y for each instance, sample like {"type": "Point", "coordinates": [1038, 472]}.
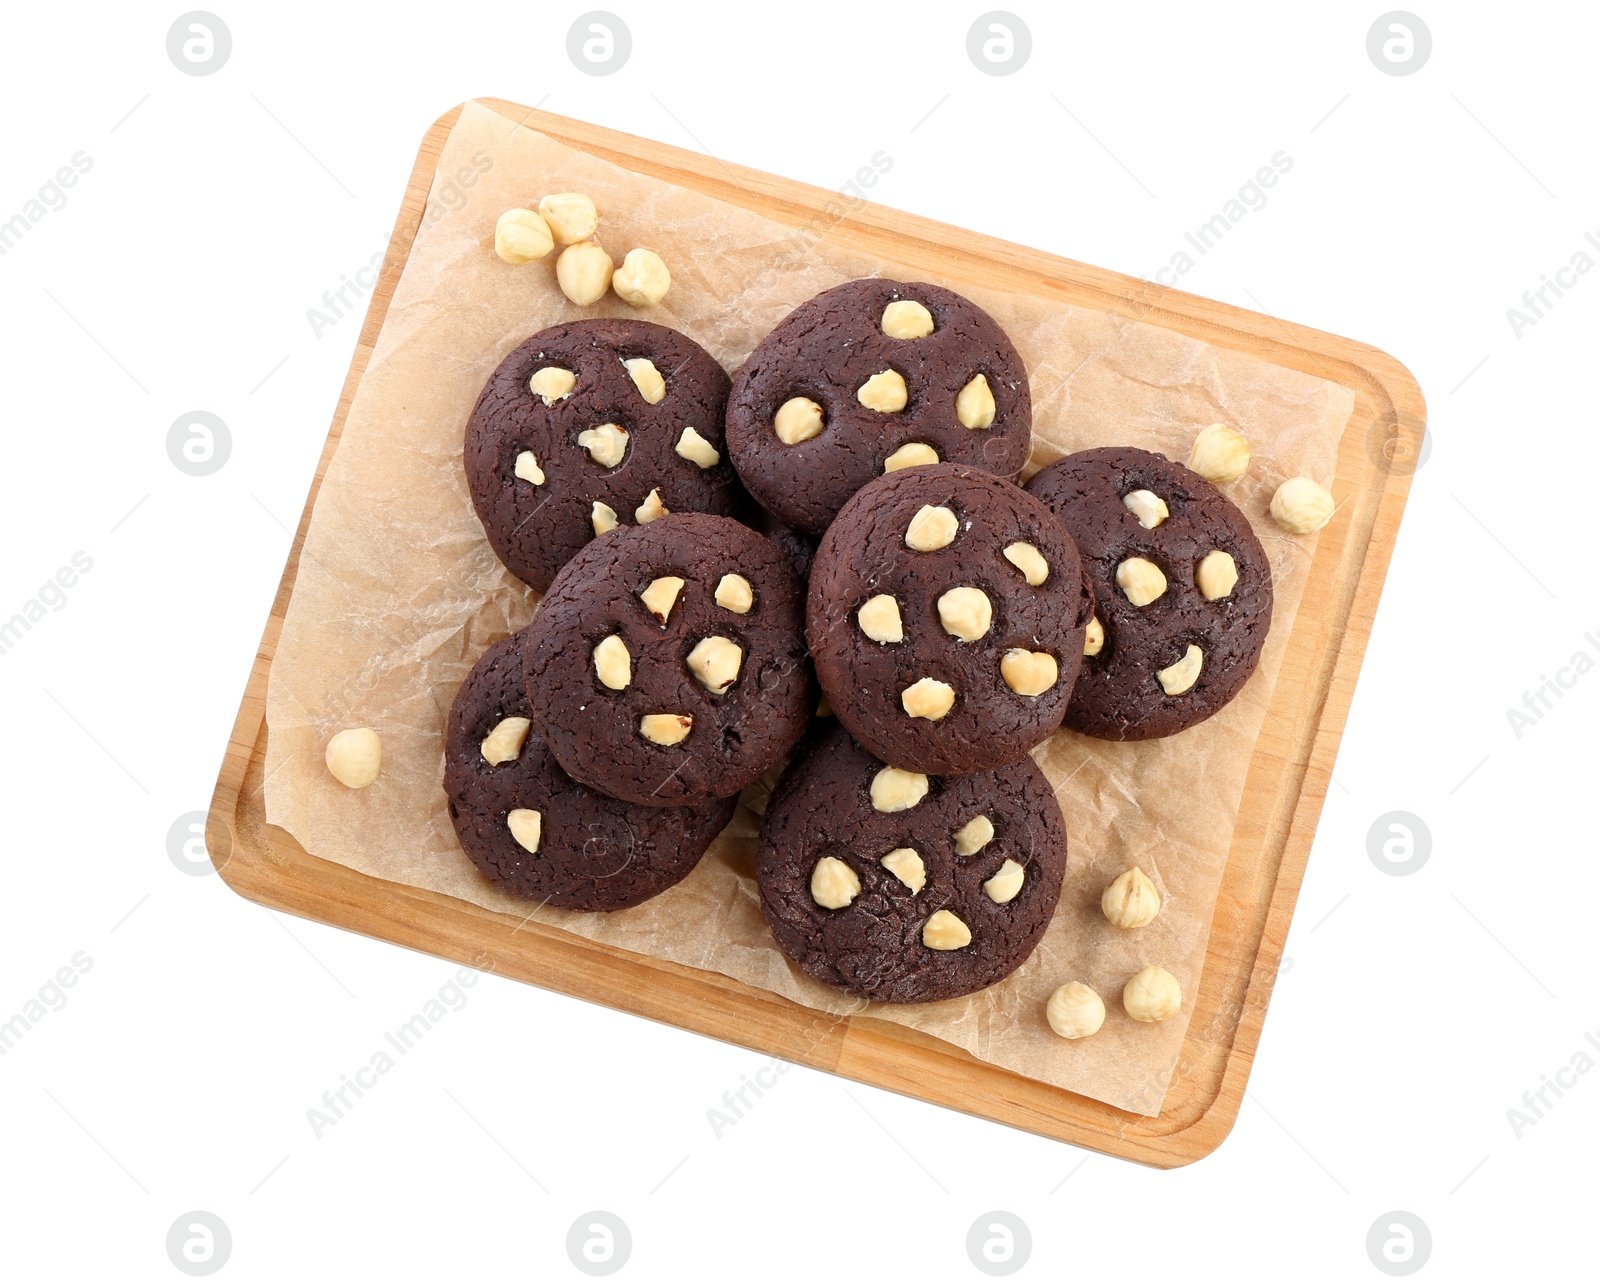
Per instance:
{"type": "Point", "coordinates": [1094, 638]}
{"type": "Point", "coordinates": [583, 271]}
{"type": "Point", "coordinates": [928, 699]}
{"type": "Point", "coordinates": [1181, 675]}
{"type": "Point", "coordinates": [797, 420]}
{"type": "Point", "coordinates": [660, 595]}
{"type": "Point", "coordinates": [606, 444]}
{"type": "Point", "coordinates": [894, 789]}
{"type": "Point", "coordinates": [975, 403]}
{"type": "Point", "coordinates": [945, 932]}
{"type": "Point", "coordinates": [1028, 561]}
{"type": "Point", "coordinates": [734, 593]}
{"type": "Point", "coordinates": [1028, 674]}
{"type": "Point", "coordinates": [1141, 581]}
{"type": "Point", "coordinates": [909, 455]}
{"type": "Point", "coordinates": [522, 236]}
{"type": "Point", "coordinates": [1147, 507]}
{"type": "Point", "coordinates": [692, 447]}
{"type": "Point", "coordinates": [552, 384]}
{"type": "Point", "coordinates": [505, 740]}
{"type": "Point", "coordinates": [1152, 995]}
{"type": "Point", "coordinates": [884, 392]}
{"type": "Point", "coordinates": [1075, 1011]}
{"type": "Point", "coordinates": [612, 663]}
{"type": "Point", "coordinates": [353, 756]}
{"type": "Point", "coordinates": [908, 868]}
{"type": "Point", "coordinates": [1301, 505]}
{"type": "Point", "coordinates": [715, 662]}
{"type": "Point", "coordinates": [1004, 885]}
{"type": "Point", "coordinates": [823, 709]}
{"type": "Point", "coordinates": [571, 216]}
{"type": "Point", "coordinates": [932, 528]}
{"type": "Point", "coordinates": [973, 835]}
{"type": "Point", "coordinates": [906, 320]}
{"type": "Point", "coordinates": [527, 468]}
{"type": "Point", "coordinates": [880, 620]}
{"type": "Point", "coordinates": [1131, 901]}
{"type": "Point", "coordinates": [646, 379]}
{"type": "Point", "coordinates": [1217, 575]}
{"type": "Point", "coordinates": [525, 827]}
{"type": "Point", "coordinates": [834, 884]}
{"type": "Point", "coordinates": [666, 730]}
{"type": "Point", "coordinates": [965, 612]}
{"type": "Point", "coordinates": [602, 518]}
{"type": "Point", "coordinates": [651, 508]}
{"type": "Point", "coordinates": [1220, 454]}
{"type": "Point", "coordinates": [642, 281]}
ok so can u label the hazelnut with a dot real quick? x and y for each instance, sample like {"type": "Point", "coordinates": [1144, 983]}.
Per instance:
{"type": "Point", "coordinates": [906, 320]}
{"type": "Point", "coordinates": [525, 826]}
{"type": "Point", "coordinates": [602, 518]}
{"type": "Point", "coordinates": [612, 662]}
{"type": "Point", "coordinates": [974, 834]}
{"type": "Point", "coordinates": [666, 730]}
{"type": "Point", "coordinates": [1094, 638]}
{"type": "Point", "coordinates": [571, 216]}
{"type": "Point", "coordinates": [353, 756]}
{"type": "Point", "coordinates": [552, 384]}
{"type": "Point", "coordinates": [1217, 575]}
{"type": "Point", "coordinates": [1181, 675]}
{"type": "Point", "coordinates": [505, 740]}
{"type": "Point", "coordinates": [944, 932]}
{"type": "Point", "coordinates": [650, 383]}
{"type": "Point", "coordinates": [1152, 995]}
{"type": "Point", "coordinates": [692, 447]}
{"type": "Point", "coordinates": [834, 884]}
{"type": "Point", "coordinates": [583, 271]}
{"type": "Point", "coordinates": [1005, 884]}
{"type": "Point", "coordinates": [1141, 581]}
{"type": "Point", "coordinates": [651, 508]}
{"type": "Point", "coordinates": [643, 279]}
{"type": "Point", "coordinates": [1131, 901]}
{"type": "Point", "coordinates": [797, 420]}
{"type": "Point", "coordinates": [909, 455]}
{"type": "Point", "coordinates": [928, 699]}
{"type": "Point", "coordinates": [1028, 674]}
{"type": "Point", "coordinates": [1075, 1011]}
{"type": "Point", "coordinates": [660, 595]}
{"type": "Point", "coordinates": [1301, 505]}
{"type": "Point", "coordinates": [885, 392]}
{"type": "Point", "coordinates": [975, 403]}
{"type": "Point", "coordinates": [823, 709]}
{"type": "Point", "coordinates": [1147, 507]}
{"type": "Point", "coordinates": [908, 868]}
{"type": "Point", "coordinates": [894, 789]}
{"type": "Point", "coordinates": [880, 620]}
{"type": "Point", "coordinates": [932, 528]}
{"type": "Point", "coordinates": [965, 612]}
{"type": "Point", "coordinates": [734, 593]}
{"type": "Point", "coordinates": [527, 468]}
{"type": "Point", "coordinates": [522, 236]}
{"type": "Point", "coordinates": [1028, 561]}
{"type": "Point", "coordinates": [606, 444]}
{"type": "Point", "coordinates": [715, 662]}
{"type": "Point", "coordinates": [1220, 454]}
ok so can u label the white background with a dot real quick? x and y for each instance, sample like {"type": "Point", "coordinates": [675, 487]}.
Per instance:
{"type": "Point", "coordinates": [1413, 1013]}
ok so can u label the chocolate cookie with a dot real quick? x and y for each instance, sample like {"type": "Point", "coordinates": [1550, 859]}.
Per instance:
{"type": "Point", "coordinates": [869, 377]}
{"type": "Point", "coordinates": [586, 425]}
{"type": "Point", "coordinates": [901, 888]}
{"type": "Point", "coordinates": [946, 619]}
{"type": "Point", "coordinates": [1182, 586]}
{"type": "Point", "coordinates": [533, 831]}
{"type": "Point", "coordinates": [667, 663]}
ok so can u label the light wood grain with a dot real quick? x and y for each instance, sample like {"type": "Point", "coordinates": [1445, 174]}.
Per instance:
{"type": "Point", "coordinates": [1283, 793]}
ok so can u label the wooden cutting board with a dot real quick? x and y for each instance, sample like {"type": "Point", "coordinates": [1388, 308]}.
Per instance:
{"type": "Point", "coordinates": [1283, 793]}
